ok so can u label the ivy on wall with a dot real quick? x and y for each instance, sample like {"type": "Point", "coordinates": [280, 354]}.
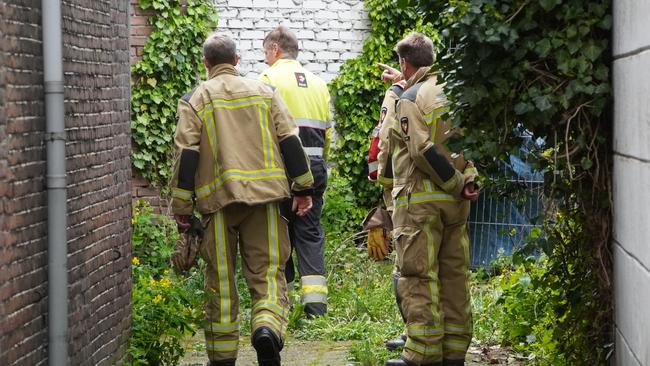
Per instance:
{"type": "Point", "coordinates": [543, 68]}
{"type": "Point", "coordinates": [357, 93]}
{"type": "Point", "coordinates": [170, 67]}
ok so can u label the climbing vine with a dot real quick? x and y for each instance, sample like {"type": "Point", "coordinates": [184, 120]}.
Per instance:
{"type": "Point", "coordinates": [170, 67]}
{"type": "Point", "coordinates": [358, 93]}
{"type": "Point", "coordinates": [542, 68]}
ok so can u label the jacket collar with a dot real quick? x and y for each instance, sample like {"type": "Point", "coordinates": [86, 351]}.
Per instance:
{"type": "Point", "coordinates": [422, 74]}
{"type": "Point", "coordinates": [221, 69]}
{"type": "Point", "coordinates": [284, 61]}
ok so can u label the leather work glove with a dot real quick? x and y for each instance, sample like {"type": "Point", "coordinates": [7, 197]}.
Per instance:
{"type": "Point", "coordinates": [187, 246]}
{"type": "Point", "coordinates": [378, 243]}
{"type": "Point", "coordinates": [378, 224]}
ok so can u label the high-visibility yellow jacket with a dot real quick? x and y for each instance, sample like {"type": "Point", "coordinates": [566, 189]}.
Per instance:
{"type": "Point", "coordinates": [308, 100]}
{"type": "Point", "coordinates": [423, 169]}
{"type": "Point", "coordinates": [236, 142]}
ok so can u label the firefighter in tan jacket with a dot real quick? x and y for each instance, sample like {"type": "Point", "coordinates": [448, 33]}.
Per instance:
{"type": "Point", "coordinates": [431, 193]}
{"type": "Point", "coordinates": [236, 144]}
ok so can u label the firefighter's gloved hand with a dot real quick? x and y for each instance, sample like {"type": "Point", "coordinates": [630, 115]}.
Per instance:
{"type": "Point", "coordinates": [379, 225]}
{"type": "Point", "coordinates": [378, 243]}
{"type": "Point", "coordinates": [187, 246]}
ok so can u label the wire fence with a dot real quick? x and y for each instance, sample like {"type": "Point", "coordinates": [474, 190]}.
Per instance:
{"type": "Point", "coordinates": [499, 224]}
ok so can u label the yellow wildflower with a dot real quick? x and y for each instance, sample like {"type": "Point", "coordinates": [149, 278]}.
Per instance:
{"type": "Point", "coordinates": [132, 221]}
{"type": "Point", "coordinates": [135, 261]}
{"type": "Point", "coordinates": [165, 282]}
{"type": "Point", "coordinates": [152, 282]}
{"type": "Point", "coordinates": [157, 299]}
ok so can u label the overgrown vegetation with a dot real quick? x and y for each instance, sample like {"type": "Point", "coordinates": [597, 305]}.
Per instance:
{"type": "Point", "coordinates": [543, 68]}
{"type": "Point", "coordinates": [170, 67]}
{"type": "Point", "coordinates": [357, 94]}
{"type": "Point", "coordinates": [165, 307]}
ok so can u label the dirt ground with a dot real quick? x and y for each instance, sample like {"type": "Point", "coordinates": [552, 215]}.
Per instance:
{"type": "Point", "coordinates": [328, 353]}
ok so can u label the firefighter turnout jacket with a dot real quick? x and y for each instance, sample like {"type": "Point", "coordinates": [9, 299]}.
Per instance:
{"type": "Point", "coordinates": [379, 152]}
{"type": "Point", "coordinates": [430, 225]}
{"type": "Point", "coordinates": [236, 142]}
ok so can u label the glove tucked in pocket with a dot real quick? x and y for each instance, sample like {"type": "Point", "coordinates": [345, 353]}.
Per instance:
{"type": "Point", "coordinates": [187, 247]}
{"type": "Point", "coordinates": [379, 226]}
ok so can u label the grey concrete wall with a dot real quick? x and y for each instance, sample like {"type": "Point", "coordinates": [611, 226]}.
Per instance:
{"type": "Point", "coordinates": [631, 49]}
{"type": "Point", "coordinates": [329, 31]}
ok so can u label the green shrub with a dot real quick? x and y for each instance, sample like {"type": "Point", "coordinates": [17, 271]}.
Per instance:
{"type": "Point", "coordinates": [170, 67]}
{"type": "Point", "coordinates": [165, 307]}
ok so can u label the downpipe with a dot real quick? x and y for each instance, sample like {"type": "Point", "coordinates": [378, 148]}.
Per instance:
{"type": "Point", "coordinates": [57, 251]}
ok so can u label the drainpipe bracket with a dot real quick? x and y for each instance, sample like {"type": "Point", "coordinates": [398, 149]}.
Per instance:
{"type": "Point", "coordinates": [54, 136]}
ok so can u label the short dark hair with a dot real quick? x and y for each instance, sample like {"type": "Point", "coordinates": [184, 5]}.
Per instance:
{"type": "Point", "coordinates": [219, 49]}
{"type": "Point", "coordinates": [417, 49]}
{"type": "Point", "coordinates": [285, 39]}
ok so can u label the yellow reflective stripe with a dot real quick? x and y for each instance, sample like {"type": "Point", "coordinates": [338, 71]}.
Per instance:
{"type": "Point", "coordinates": [267, 305]}
{"type": "Point", "coordinates": [239, 174]}
{"type": "Point", "coordinates": [428, 186]}
{"type": "Point", "coordinates": [456, 345]}
{"type": "Point", "coordinates": [274, 250]}
{"type": "Point", "coordinates": [264, 318]}
{"type": "Point", "coordinates": [208, 121]}
{"type": "Point", "coordinates": [222, 327]}
{"type": "Point", "coordinates": [423, 331]}
{"type": "Point", "coordinates": [222, 267]}
{"type": "Point", "coordinates": [230, 345]}
{"type": "Point", "coordinates": [232, 103]}
{"type": "Point", "coordinates": [314, 289]}
{"type": "Point", "coordinates": [433, 284]}
{"type": "Point", "coordinates": [421, 348]}
{"type": "Point", "coordinates": [304, 180]}
{"type": "Point", "coordinates": [385, 181]}
{"type": "Point", "coordinates": [266, 136]}
{"type": "Point", "coordinates": [182, 194]}
{"type": "Point", "coordinates": [435, 113]}
{"type": "Point", "coordinates": [422, 197]}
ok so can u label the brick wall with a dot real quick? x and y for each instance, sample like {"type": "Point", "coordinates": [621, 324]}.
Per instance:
{"type": "Point", "coordinates": [96, 68]}
{"type": "Point", "coordinates": [329, 31]}
{"type": "Point", "coordinates": [139, 29]}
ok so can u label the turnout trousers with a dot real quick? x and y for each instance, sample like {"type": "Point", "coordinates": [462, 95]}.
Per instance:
{"type": "Point", "coordinates": [308, 239]}
{"type": "Point", "coordinates": [432, 263]}
{"type": "Point", "coordinates": [260, 233]}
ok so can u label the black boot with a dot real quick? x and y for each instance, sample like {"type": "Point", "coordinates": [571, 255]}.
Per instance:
{"type": "Point", "coordinates": [397, 343]}
{"type": "Point", "coordinates": [447, 362]}
{"type": "Point", "coordinates": [267, 346]}
{"type": "Point", "coordinates": [228, 362]}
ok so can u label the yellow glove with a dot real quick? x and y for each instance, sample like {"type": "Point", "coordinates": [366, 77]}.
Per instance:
{"type": "Point", "coordinates": [378, 243]}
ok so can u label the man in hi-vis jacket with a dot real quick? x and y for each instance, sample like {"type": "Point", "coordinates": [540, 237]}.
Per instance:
{"type": "Point", "coordinates": [431, 193]}
{"type": "Point", "coordinates": [236, 144]}
{"type": "Point", "coordinates": [308, 101]}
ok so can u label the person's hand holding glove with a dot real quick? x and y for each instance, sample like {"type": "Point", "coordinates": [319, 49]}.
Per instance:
{"type": "Point", "coordinates": [188, 244]}
{"type": "Point", "coordinates": [378, 224]}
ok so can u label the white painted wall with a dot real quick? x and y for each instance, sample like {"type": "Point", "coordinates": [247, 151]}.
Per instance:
{"type": "Point", "coordinates": [329, 31]}
{"type": "Point", "coordinates": [631, 49]}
